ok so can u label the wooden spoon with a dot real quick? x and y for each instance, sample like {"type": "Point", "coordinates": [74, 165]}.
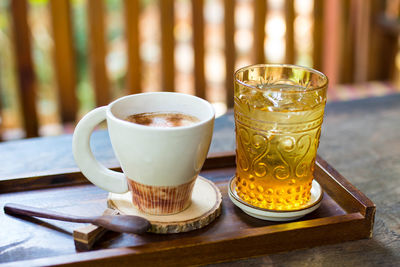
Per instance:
{"type": "Point", "coordinates": [117, 223]}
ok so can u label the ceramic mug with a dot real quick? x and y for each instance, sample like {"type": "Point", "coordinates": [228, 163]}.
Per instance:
{"type": "Point", "coordinates": [160, 165]}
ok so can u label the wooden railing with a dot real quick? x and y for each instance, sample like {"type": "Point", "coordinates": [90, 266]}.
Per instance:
{"type": "Point", "coordinates": [357, 37]}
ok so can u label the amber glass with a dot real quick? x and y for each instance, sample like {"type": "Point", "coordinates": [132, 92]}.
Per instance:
{"type": "Point", "coordinates": [278, 115]}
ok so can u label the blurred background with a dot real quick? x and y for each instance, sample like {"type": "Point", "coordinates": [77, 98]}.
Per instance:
{"type": "Point", "coordinates": [61, 58]}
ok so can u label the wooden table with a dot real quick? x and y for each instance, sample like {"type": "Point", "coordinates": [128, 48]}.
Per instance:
{"type": "Point", "coordinates": [361, 139]}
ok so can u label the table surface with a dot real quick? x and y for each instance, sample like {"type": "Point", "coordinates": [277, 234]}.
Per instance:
{"type": "Point", "coordinates": [361, 139]}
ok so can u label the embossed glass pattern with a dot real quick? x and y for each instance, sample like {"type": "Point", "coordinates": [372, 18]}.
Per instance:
{"type": "Point", "coordinates": [278, 115]}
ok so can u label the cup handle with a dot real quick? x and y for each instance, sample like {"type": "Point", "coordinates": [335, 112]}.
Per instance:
{"type": "Point", "coordinates": [94, 171]}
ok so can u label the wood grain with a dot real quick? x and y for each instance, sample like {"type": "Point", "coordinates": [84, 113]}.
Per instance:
{"type": "Point", "coordinates": [362, 40]}
{"type": "Point", "coordinates": [133, 75]}
{"type": "Point", "coordinates": [61, 177]}
{"type": "Point", "coordinates": [384, 37]}
{"type": "Point", "coordinates": [167, 46]}
{"type": "Point", "coordinates": [198, 47]}
{"type": "Point", "coordinates": [346, 31]}
{"type": "Point", "coordinates": [377, 33]}
{"type": "Point", "coordinates": [64, 59]}
{"type": "Point", "coordinates": [24, 65]}
{"type": "Point", "coordinates": [290, 52]}
{"type": "Point", "coordinates": [345, 194]}
{"type": "Point", "coordinates": [33, 163]}
{"type": "Point", "coordinates": [230, 51]}
{"type": "Point", "coordinates": [256, 237]}
{"type": "Point", "coordinates": [332, 42]}
{"type": "Point", "coordinates": [318, 31]}
{"type": "Point", "coordinates": [260, 13]}
{"type": "Point", "coordinates": [86, 236]}
{"type": "Point", "coordinates": [359, 138]}
{"type": "Point", "coordinates": [247, 244]}
{"type": "Point", "coordinates": [97, 51]}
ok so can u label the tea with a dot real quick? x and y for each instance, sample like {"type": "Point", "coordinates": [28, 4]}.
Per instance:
{"type": "Point", "coordinates": [277, 136]}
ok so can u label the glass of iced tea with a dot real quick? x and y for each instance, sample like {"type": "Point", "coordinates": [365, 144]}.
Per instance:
{"type": "Point", "coordinates": [279, 110]}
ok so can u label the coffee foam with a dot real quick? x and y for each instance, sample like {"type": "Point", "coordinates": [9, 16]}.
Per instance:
{"type": "Point", "coordinates": [162, 120]}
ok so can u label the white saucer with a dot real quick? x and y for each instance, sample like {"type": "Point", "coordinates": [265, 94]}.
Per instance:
{"type": "Point", "coordinates": [273, 215]}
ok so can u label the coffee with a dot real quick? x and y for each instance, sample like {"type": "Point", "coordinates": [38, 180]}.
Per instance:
{"type": "Point", "coordinates": [162, 119]}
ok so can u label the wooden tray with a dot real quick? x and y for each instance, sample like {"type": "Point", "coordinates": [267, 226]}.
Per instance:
{"type": "Point", "coordinates": [345, 214]}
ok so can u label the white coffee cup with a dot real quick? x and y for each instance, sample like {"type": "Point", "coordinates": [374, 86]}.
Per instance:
{"type": "Point", "coordinates": [159, 165]}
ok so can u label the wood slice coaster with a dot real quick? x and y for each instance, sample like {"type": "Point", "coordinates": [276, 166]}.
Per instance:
{"type": "Point", "coordinates": [205, 208]}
